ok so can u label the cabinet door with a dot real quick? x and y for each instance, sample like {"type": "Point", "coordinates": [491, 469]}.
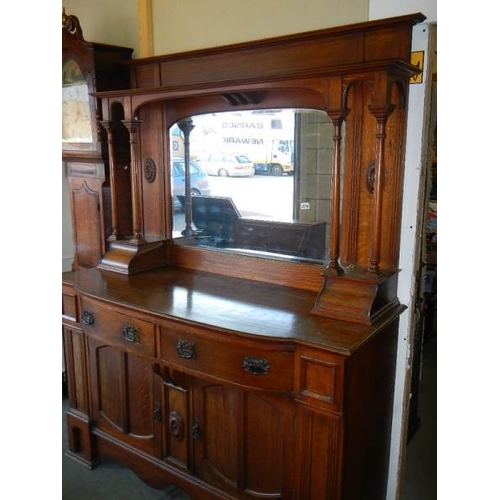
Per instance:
{"type": "Point", "coordinates": [76, 369]}
{"type": "Point", "coordinates": [243, 441]}
{"type": "Point", "coordinates": [172, 404]}
{"type": "Point", "coordinates": [88, 236]}
{"type": "Point", "coordinates": [122, 395]}
{"type": "Point", "coordinates": [319, 455]}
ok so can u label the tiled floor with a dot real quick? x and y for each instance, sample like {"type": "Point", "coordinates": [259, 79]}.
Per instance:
{"type": "Point", "coordinates": [112, 481]}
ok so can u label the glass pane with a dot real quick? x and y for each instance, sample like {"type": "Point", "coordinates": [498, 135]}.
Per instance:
{"type": "Point", "coordinates": [260, 183]}
{"type": "Point", "coordinates": [76, 124]}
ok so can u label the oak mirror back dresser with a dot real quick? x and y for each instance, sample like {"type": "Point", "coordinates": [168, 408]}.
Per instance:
{"type": "Point", "coordinates": [210, 344]}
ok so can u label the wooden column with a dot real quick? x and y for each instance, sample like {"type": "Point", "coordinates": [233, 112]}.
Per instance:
{"type": "Point", "coordinates": [133, 128]}
{"type": "Point", "coordinates": [381, 109]}
{"type": "Point", "coordinates": [186, 127]}
{"type": "Point", "coordinates": [108, 127]}
{"type": "Point", "coordinates": [338, 117]}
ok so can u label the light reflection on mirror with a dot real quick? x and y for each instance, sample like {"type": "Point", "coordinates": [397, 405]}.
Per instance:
{"type": "Point", "coordinates": [260, 183]}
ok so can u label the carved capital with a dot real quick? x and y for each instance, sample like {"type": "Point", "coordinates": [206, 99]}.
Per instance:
{"type": "Point", "coordinates": [132, 126]}
{"type": "Point", "coordinates": [382, 113]}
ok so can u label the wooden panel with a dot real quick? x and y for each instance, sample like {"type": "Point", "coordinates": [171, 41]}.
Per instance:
{"type": "Point", "coordinates": [139, 397]}
{"type": "Point", "coordinates": [176, 416]}
{"type": "Point", "coordinates": [152, 165]}
{"type": "Point", "coordinates": [320, 379]}
{"type": "Point", "coordinates": [226, 360]}
{"type": "Point", "coordinates": [85, 169]}
{"type": "Point", "coordinates": [284, 56]}
{"type": "Point", "coordinates": [76, 369]}
{"type": "Point", "coordinates": [147, 75]}
{"type": "Point", "coordinates": [279, 59]}
{"type": "Point", "coordinates": [264, 456]}
{"type": "Point", "coordinates": [319, 461]}
{"type": "Point", "coordinates": [121, 395]}
{"type": "Point", "coordinates": [306, 277]}
{"type": "Point", "coordinates": [218, 418]}
{"type": "Point", "coordinates": [388, 43]}
{"type": "Point", "coordinates": [69, 305]}
{"type": "Point", "coordinates": [85, 203]}
{"type": "Point", "coordinates": [369, 396]}
{"type": "Point", "coordinates": [244, 443]}
{"type": "Point", "coordinates": [108, 388]}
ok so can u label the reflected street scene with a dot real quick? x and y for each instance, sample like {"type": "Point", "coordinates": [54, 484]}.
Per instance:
{"type": "Point", "coordinates": [259, 181]}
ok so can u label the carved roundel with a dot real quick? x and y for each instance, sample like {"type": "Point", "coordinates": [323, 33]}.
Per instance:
{"type": "Point", "coordinates": [149, 170]}
{"type": "Point", "coordinates": [176, 424]}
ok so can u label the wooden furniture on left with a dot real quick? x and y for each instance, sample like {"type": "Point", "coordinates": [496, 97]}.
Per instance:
{"type": "Point", "coordinates": [88, 68]}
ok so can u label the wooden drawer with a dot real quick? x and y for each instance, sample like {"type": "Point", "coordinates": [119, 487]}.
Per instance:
{"type": "Point", "coordinates": [256, 364]}
{"type": "Point", "coordinates": [117, 326]}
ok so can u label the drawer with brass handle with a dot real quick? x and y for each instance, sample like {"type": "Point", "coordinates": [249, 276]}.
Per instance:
{"type": "Point", "coordinates": [251, 363]}
{"type": "Point", "coordinates": [118, 327]}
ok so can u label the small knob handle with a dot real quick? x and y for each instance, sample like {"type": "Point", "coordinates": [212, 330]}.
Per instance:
{"type": "Point", "coordinates": [88, 318]}
{"type": "Point", "coordinates": [130, 333]}
{"type": "Point", "coordinates": [256, 366]}
{"type": "Point", "coordinates": [186, 349]}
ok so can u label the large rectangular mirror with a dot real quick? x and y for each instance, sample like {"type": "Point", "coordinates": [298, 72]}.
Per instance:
{"type": "Point", "coordinates": [259, 182]}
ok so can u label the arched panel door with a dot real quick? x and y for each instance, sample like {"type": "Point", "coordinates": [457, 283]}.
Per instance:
{"type": "Point", "coordinates": [242, 441]}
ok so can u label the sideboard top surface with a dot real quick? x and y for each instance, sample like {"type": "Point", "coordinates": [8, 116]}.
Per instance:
{"type": "Point", "coordinates": [228, 305]}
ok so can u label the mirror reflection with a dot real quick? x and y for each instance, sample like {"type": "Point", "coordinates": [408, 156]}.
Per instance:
{"type": "Point", "coordinates": [258, 182]}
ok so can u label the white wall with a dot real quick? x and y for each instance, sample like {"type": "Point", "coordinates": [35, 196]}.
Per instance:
{"type": "Point", "coordinates": [416, 158]}
{"type": "Point", "coordinates": [180, 26]}
{"type": "Point", "coordinates": [106, 21]}
{"type": "Point", "coordinates": [389, 8]}
{"type": "Point", "coordinates": [418, 107]}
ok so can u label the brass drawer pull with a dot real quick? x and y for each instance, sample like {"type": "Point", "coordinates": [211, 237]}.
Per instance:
{"type": "Point", "coordinates": [256, 366]}
{"type": "Point", "coordinates": [186, 349]}
{"type": "Point", "coordinates": [130, 333]}
{"type": "Point", "coordinates": [88, 318]}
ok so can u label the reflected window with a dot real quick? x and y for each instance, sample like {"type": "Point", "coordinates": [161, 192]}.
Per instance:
{"type": "Point", "coordinates": [268, 176]}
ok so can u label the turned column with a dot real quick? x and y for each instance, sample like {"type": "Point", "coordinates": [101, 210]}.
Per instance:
{"type": "Point", "coordinates": [108, 127]}
{"type": "Point", "coordinates": [133, 127]}
{"type": "Point", "coordinates": [381, 109]}
{"type": "Point", "coordinates": [186, 127]}
{"type": "Point", "coordinates": [337, 117]}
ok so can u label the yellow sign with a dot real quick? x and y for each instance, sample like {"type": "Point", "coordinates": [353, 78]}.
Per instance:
{"type": "Point", "coordinates": [417, 59]}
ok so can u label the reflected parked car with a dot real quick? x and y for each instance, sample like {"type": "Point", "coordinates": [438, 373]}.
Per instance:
{"type": "Point", "coordinates": [200, 184]}
{"type": "Point", "coordinates": [226, 164]}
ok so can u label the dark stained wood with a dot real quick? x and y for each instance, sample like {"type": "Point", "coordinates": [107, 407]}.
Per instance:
{"type": "Point", "coordinates": [86, 163]}
{"type": "Point", "coordinates": [232, 376]}
{"type": "Point", "coordinates": [245, 433]}
{"type": "Point", "coordinates": [359, 75]}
